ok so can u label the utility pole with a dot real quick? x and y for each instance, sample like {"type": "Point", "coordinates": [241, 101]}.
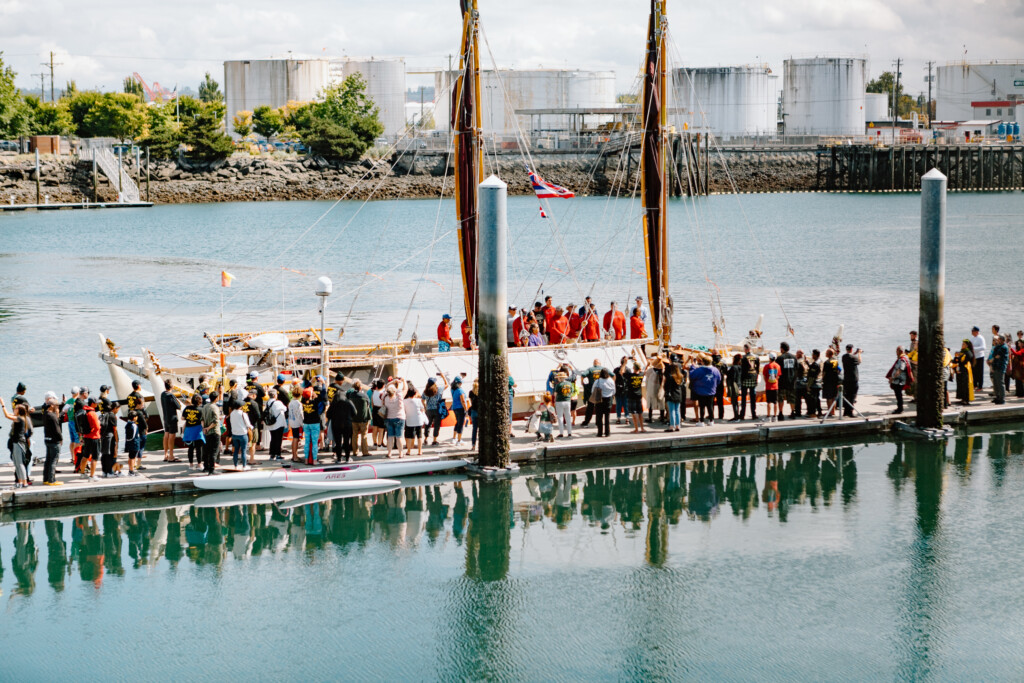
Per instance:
{"type": "Point", "coordinates": [930, 113]}
{"type": "Point", "coordinates": [42, 85]}
{"type": "Point", "coordinates": [51, 65]}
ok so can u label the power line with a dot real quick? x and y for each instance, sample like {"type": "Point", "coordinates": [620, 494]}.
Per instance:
{"type": "Point", "coordinates": [51, 65]}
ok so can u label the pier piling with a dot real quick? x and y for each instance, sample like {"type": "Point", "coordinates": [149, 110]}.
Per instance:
{"type": "Point", "coordinates": [37, 177]}
{"type": "Point", "coordinates": [493, 411]}
{"type": "Point", "coordinates": [931, 345]}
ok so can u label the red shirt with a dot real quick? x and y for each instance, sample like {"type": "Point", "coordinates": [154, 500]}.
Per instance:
{"type": "Point", "coordinates": [616, 322]}
{"type": "Point", "coordinates": [549, 313]}
{"type": "Point", "coordinates": [592, 330]}
{"type": "Point", "coordinates": [636, 328]}
{"type": "Point", "coordinates": [467, 343]}
{"type": "Point", "coordinates": [444, 331]}
{"type": "Point", "coordinates": [557, 330]}
{"type": "Point", "coordinates": [517, 329]}
{"type": "Point", "coordinates": [94, 424]}
{"type": "Point", "coordinates": [575, 325]}
{"type": "Point", "coordinates": [771, 374]}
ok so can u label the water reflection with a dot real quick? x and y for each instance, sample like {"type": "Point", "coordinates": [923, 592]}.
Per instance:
{"type": "Point", "coordinates": [481, 518]}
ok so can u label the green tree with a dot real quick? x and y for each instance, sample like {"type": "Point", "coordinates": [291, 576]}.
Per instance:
{"type": "Point", "coordinates": [80, 104]}
{"type": "Point", "coordinates": [162, 135]}
{"type": "Point", "coordinates": [345, 123]}
{"type": "Point", "coordinates": [117, 115]}
{"type": "Point", "coordinates": [884, 84]}
{"type": "Point", "coordinates": [204, 134]}
{"type": "Point", "coordinates": [49, 118]}
{"type": "Point", "coordinates": [209, 90]}
{"type": "Point", "coordinates": [70, 89]}
{"type": "Point", "coordinates": [14, 113]}
{"type": "Point", "coordinates": [242, 123]}
{"type": "Point", "coordinates": [266, 121]}
{"type": "Point", "coordinates": [134, 87]}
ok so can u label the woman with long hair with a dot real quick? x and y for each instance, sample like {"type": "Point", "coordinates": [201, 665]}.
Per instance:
{"type": "Point", "coordinates": [21, 427]}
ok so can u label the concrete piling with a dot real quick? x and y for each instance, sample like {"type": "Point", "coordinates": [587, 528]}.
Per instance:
{"type": "Point", "coordinates": [931, 341]}
{"type": "Point", "coordinates": [493, 411]}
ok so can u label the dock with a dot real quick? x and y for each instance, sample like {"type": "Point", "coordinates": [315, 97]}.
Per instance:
{"type": "Point", "coordinates": [162, 480]}
{"type": "Point", "coordinates": [58, 206]}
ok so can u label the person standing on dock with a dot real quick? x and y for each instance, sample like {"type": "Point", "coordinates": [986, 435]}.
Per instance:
{"type": "Point", "coordinates": [851, 379]}
{"type": "Point", "coordinates": [814, 384]}
{"type": "Point", "coordinates": [912, 355]}
{"type": "Point", "coordinates": [1017, 366]}
{"type": "Point", "coordinates": [751, 366]}
{"type": "Point", "coordinates": [772, 371]}
{"type": "Point", "coordinates": [310, 426]}
{"type": "Point", "coordinates": [719, 364]}
{"type": "Point", "coordinates": [590, 377]}
{"type": "Point", "coordinates": [460, 405]}
{"type": "Point", "coordinates": [604, 389]}
{"type": "Point", "coordinates": [361, 410]}
{"type": "Point", "coordinates": [980, 354]}
{"type": "Point", "coordinates": [137, 404]}
{"type": "Point", "coordinates": [999, 365]}
{"type": "Point", "coordinates": [962, 367]}
{"type": "Point", "coordinates": [240, 427]}
{"type": "Point", "coordinates": [614, 324]}
{"type": "Point", "coordinates": [213, 420]}
{"type": "Point", "coordinates": [831, 379]}
{"type": "Point", "coordinates": [68, 415]}
{"type": "Point", "coordinates": [90, 441]}
{"type": "Point", "coordinates": [170, 405]}
{"type": "Point", "coordinates": [706, 379]}
{"type": "Point", "coordinates": [734, 378]}
{"type": "Point", "coordinates": [787, 380]}
{"type": "Point", "coordinates": [899, 377]}
{"type": "Point", "coordinates": [18, 441]}
{"type": "Point", "coordinates": [563, 391]}
{"type": "Point", "coordinates": [634, 382]}
{"type": "Point", "coordinates": [52, 437]}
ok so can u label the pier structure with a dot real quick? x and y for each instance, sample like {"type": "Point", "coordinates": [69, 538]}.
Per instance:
{"type": "Point", "coordinates": [870, 168]}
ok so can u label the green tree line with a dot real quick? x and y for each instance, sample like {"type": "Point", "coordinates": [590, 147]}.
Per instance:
{"type": "Point", "coordinates": [342, 124]}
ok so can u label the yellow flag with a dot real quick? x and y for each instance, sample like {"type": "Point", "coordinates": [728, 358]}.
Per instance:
{"type": "Point", "coordinates": [226, 278]}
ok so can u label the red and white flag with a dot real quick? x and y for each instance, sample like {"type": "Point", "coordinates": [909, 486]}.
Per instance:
{"type": "Point", "coordinates": [545, 190]}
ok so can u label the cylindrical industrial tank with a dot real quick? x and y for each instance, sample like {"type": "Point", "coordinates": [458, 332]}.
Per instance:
{"type": "Point", "coordinates": [876, 107]}
{"type": "Point", "coordinates": [251, 83]}
{"type": "Point", "coordinates": [731, 101]}
{"type": "Point", "coordinates": [824, 96]}
{"type": "Point", "coordinates": [961, 83]}
{"type": "Point", "coordinates": [385, 85]}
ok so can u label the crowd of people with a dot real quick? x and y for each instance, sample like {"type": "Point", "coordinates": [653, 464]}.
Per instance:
{"type": "Point", "coordinates": [347, 417]}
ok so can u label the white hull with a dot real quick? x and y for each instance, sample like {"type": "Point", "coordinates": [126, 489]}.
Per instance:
{"type": "Point", "coordinates": [343, 485]}
{"type": "Point", "coordinates": [408, 467]}
{"type": "Point", "coordinates": [261, 479]}
{"type": "Point", "coordinates": [322, 496]}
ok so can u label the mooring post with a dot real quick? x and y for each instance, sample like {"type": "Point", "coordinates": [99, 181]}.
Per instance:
{"type": "Point", "coordinates": [120, 175]}
{"type": "Point", "coordinates": [95, 180]}
{"type": "Point", "coordinates": [493, 411]}
{"type": "Point", "coordinates": [147, 174]}
{"type": "Point", "coordinates": [931, 345]}
{"type": "Point", "coordinates": [37, 175]}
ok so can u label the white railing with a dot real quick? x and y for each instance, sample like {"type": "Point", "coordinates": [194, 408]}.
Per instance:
{"type": "Point", "coordinates": [127, 190]}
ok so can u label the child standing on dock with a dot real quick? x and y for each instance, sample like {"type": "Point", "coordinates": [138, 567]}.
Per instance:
{"type": "Point", "coordinates": [772, 372]}
{"type": "Point", "coordinates": [545, 418]}
{"type": "Point", "coordinates": [131, 440]}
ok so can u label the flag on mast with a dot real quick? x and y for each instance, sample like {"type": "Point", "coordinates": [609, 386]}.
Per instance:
{"type": "Point", "coordinates": [545, 190]}
{"type": "Point", "coordinates": [226, 278]}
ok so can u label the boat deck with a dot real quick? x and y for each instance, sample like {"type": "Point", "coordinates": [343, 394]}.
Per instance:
{"type": "Point", "coordinates": [164, 479]}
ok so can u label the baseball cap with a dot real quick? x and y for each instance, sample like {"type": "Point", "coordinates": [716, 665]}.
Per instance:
{"type": "Point", "coordinates": [75, 390]}
{"type": "Point", "coordinates": [973, 329]}
{"type": "Point", "coordinates": [320, 377]}
{"type": "Point", "coordinates": [21, 387]}
{"type": "Point", "coordinates": [136, 384]}
{"type": "Point", "coordinates": [446, 317]}
{"type": "Point", "coordinates": [253, 374]}
{"type": "Point", "coordinates": [50, 395]}
{"type": "Point", "coordinates": [340, 377]}
{"type": "Point", "coordinates": [91, 401]}
{"type": "Point", "coordinates": [104, 387]}
{"type": "Point", "coordinates": [84, 390]}
{"type": "Point", "coordinates": [771, 356]}
{"type": "Point", "coordinates": [280, 378]}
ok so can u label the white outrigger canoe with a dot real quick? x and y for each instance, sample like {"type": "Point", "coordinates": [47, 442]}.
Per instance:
{"type": "Point", "coordinates": [329, 475]}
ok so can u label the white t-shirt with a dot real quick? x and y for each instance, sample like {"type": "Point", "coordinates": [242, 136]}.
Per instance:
{"type": "Point", "coordinates": [980, 348]}
{"type": "Point", "coordinates": [278, 413]}
{"type": "Point", "coordinates": [415, 413]}
{"type": "Point", "coordinates": [295, 413]}
{"type": "Point", "coordinates": [239, 422]}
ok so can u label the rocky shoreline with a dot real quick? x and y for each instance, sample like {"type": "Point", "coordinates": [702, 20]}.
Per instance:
{"type": "Point", "coordinates": [246, 178]}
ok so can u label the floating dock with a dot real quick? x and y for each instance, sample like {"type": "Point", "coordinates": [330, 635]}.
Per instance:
{"type": "Point", "coordinates": [74, 205]}
{"type": "Point", "coordinates": [169, 479]}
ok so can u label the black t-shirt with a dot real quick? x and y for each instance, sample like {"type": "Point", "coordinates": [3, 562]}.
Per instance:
{"type": "Point", "coordinates": [252, 409]}
{"type": "Point", "coordinates": [830, 373]}
{"type": "Point", "coordinates": [170, 405]}
{"type": "Point", "coordinates": [673, 389]}
{"type": "Point", "coordinates": [851, 369]}
{"type": "Point", "coordinates": [135, 401]}
{"type": "Point", "coordinates": [51, 427]}
{"type": "Point", "coordinates": [108, 424]}
{"type": "Point", "coordinates": [192, 415]}
{"type": "Point", "coordinates": [787, 374]}
{"type": "Point", "coordinates": [340, 411]}
{"type": "Point", "coordinates": [282, 394]}
{"type": "Point", "coordinates": [751, 368]}
{"type": "Point", "coordinates": [310, 415]}
{"type": "Point", "coordinates": [813, 373]}
{"type": "Point", "coordinates": [634, 382]}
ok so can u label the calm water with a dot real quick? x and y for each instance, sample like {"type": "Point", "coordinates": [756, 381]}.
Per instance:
{"type": "Point", "coordinates": [880, 561]}
{"type": "Point", "coordinates": [151, 276]}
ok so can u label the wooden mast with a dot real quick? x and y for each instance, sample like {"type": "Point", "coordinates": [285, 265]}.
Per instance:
{"type": "Point", "coordinates": [468, 152]}
{"type": "Point", "coordinates": [653, 187]}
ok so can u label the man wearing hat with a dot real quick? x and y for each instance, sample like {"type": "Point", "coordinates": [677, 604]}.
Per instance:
{"type": "Point", "coordinates": [444, 334]}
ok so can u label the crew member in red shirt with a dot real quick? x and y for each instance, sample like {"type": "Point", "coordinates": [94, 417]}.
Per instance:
{"type": "Point", "coordinates": [575, 323]}
{"type": "Point", "coordinates": [517, 326]}
{"type": "Point", "coordinates": [592, 327]}
{"type": "Point", "coordinates": [558, 328]}
{"type": "Point", "coordinates": [636, 325]}
{"type": "Point", "coordinates": [90, 440]}
{"type": "Point", "coordinates": [548, 311]}
{"type": "Point", "coordinates": [467, 335]}
{"type": "Point", "coordinates": [444, 333]}
{"type": "Point", "coordinates": [615, 323]}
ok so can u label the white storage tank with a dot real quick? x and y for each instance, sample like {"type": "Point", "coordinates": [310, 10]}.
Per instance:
{"type": "Point", "coordinates": [385, 85]}
{"type": "Point", "coordinates": [504, 91]}
{"type": "Point", "coordinates": [731, 101]}
{"type": "Point", "coordinates": [960, 83]}
{"type": "Point", "coordinates": [251, 83]}
{"type": "Point", "coordinates": [876, 107]}
{"type": "Point", "coordinates": [824, 95]}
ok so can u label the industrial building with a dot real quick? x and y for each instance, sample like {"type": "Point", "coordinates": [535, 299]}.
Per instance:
{"type": "Point", "coordinates": [961, 84]}
{"type": "Point", "coordinates": [385, 85]}
{"type": "Point", "coordinates": [730, 101]}
{"type": "Point", "coordinates": [252, 83]}
{"type": "Point", "coordinates": [824, 96]}
{"type": "Point", "coordinates": [507, 91]}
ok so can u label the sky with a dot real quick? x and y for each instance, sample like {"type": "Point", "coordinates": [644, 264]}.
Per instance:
{"type": "Point", "coordinates": [99, 42]}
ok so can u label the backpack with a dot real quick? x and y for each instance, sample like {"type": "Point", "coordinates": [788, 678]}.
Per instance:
{"type": "Point", "coordinates": [82, 422]}
{"type": "Point", "coordinates": [442, 409]}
